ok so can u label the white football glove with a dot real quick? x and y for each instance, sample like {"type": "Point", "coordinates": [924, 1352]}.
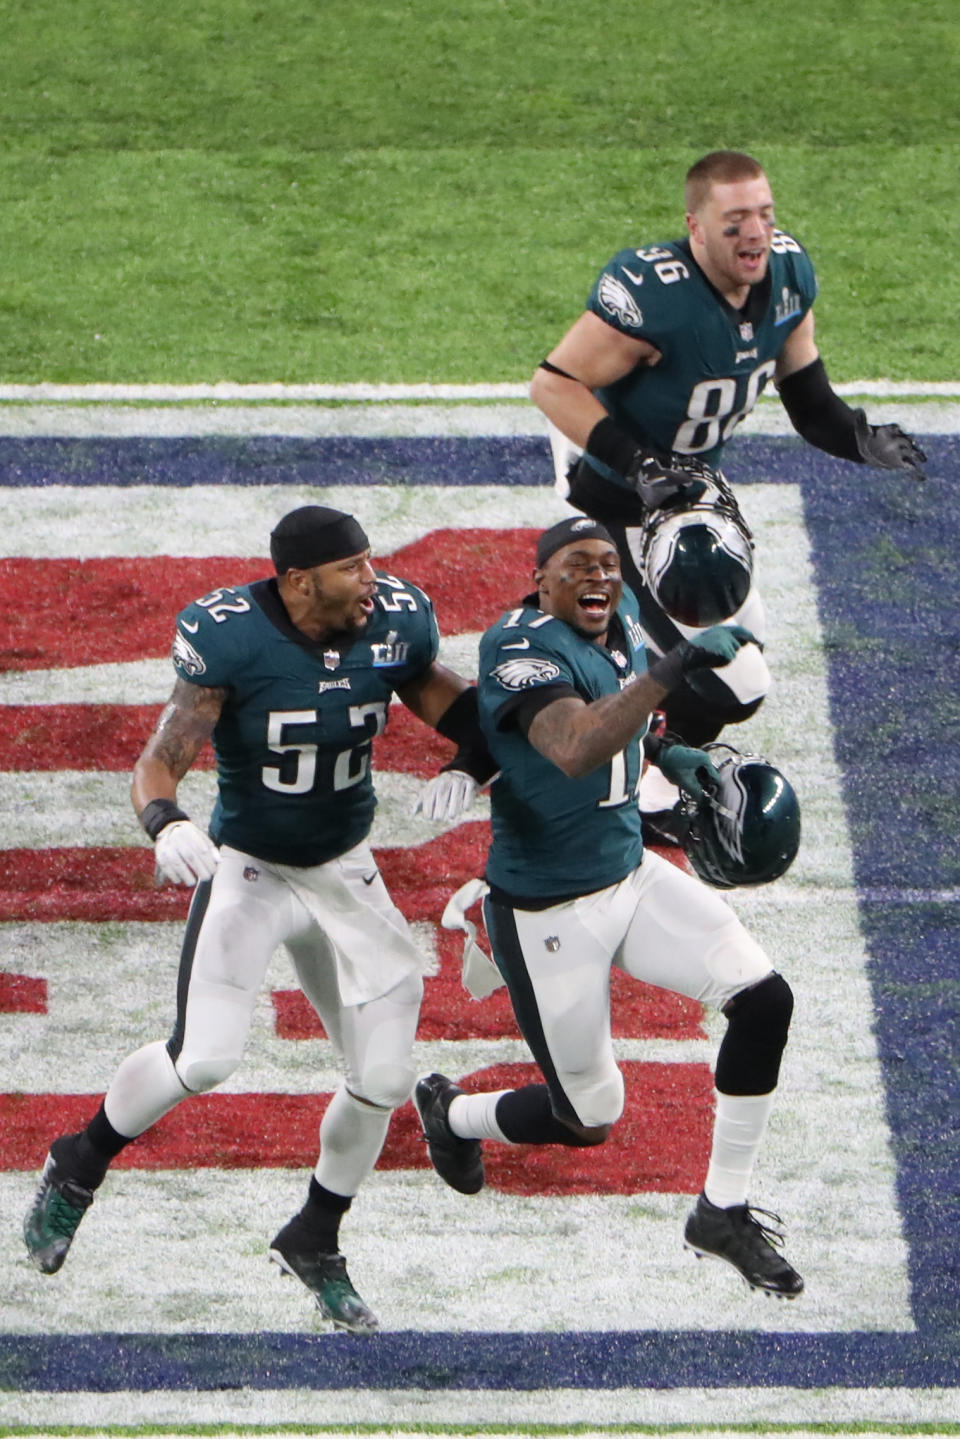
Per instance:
{"type": "Point", "coordinates": [184, 854]}
{"type": "Point", "coordinates": [447, 796]}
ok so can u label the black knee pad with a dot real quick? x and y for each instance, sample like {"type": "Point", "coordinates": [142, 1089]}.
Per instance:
{"type": "Point", "coordinates": [758, 1021]}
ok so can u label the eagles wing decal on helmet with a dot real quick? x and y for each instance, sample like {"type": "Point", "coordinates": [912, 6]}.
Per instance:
{"type": "Point", "coordinates": [697, 558]}
{"type": "Point", "coordinates": [749, 832]}
{"type": "Point", "coordinates": [524, 674]}
{"type": "Point", "coordinates": [617, 300]}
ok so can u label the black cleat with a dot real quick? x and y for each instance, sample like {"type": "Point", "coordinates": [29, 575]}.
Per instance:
{"type": "Point", "coordinates": [325, 1275]}
{"type": "Point", "coordinates": [457, 1161]}
{"type": "Point", "coordinates": [736, 1235]}
{"type": "Point", "coordinates": [58, 1206]}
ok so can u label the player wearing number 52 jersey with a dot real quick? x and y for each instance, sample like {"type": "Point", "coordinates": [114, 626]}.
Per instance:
{"type": "Point", "coordinates": [291, 678]}
{"type": "Point", "coordinates": [677, 342]}
{"type": "Point", "coordinates": [293, 741]}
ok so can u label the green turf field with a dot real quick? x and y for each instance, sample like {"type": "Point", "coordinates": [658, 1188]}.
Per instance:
{"type": "Point", "coordinates": [327, 191]}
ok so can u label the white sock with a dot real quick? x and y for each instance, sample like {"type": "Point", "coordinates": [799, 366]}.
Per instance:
{"type": "Point", "coordinates": [473, 1116]}
{"type": "Point", "coordinates": [738, 1130]}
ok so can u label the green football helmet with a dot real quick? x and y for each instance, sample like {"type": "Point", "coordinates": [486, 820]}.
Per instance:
{"type": "Point", "coordinates": [697, 557]}
{"type": "Point", "coordinates": [748, 832]}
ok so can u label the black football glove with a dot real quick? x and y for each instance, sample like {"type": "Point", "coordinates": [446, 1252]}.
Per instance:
{"type": "Point", "coordinates": [658, 484]}
{"type": "Point", "coordinates": [887, 447]}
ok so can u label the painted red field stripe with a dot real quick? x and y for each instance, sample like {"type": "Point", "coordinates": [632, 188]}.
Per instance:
{"type": "Point", "coordinates": [78, 736]}
{"type": "Point", "coordinates": [109, 737]}
{"type": "Point", "coordinates": [471, 575]}
{"type": "Point", "coordinates": [96, 885]}
{"type": "Point", "coordinates": [22, 994]}
{"type": "Point", "coordinates": [659, 1145]}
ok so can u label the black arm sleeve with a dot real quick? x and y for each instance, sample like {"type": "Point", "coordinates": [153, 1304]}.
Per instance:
{"type": "Point", "coordinates": [818, 414]}
{"type": "Point", "coordinates": [460, 722]}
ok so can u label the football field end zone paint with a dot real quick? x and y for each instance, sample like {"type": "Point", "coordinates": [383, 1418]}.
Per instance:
{"type": "Point", "coordinates": [784, 505]}
{"type": "Point", "coordinates": [471, 1361]}
{"type": "Point", "coordinates": [346, 460]}
{"type": "Point", "coordinates": [904, 766]}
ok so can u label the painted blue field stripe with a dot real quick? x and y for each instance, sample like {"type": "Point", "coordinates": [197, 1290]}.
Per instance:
{"type": "Point", "coordinates": [105, 1363]}
{"type": "Point", "coordinates": [343, 460]}
{"type": "Point", "coordinates": [888, 585]}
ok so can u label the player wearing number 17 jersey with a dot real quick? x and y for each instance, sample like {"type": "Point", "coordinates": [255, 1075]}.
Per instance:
{"type": "Point", "coordinates": [291, 678]}
{"type": "Point", "coordinates": [565, 701]}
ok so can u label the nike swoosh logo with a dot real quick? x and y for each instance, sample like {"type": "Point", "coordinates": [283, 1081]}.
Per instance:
{"type": "Point", "coordinates": [637, 279]}
{"type": "Point", "coordinates": [369, 878]}
{"type": "Point", "coordinates": [191, 629]}
{"type": "Point", "coordinates": [520, 645]}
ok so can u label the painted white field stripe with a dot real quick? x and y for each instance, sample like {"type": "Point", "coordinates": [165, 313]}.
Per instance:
{"type": "Point", "coordinates": [84, 522]}
{"type": "Point", "coordinates": [425, 1259]}
{"type": "Point", "coordinates": [892, 1412]}
{"type": "Point", "coordinates": [388, 418]}
{"type": "Point", "coordinates": [507, 390]}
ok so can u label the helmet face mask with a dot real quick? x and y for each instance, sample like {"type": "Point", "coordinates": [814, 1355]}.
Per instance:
{"type": "Point", "coordinates": [749, 832]}
{"type": "Point", "coordinates": [697, 559]}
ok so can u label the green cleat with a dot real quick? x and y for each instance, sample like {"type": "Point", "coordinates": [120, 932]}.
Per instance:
{"type": "Point", "coordinates": [325, 1275]}
{"type": "Point", "coordinates": [59, 1205]}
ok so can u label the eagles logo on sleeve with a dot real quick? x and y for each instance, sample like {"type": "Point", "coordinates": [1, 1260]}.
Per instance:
{"type": "Point", "coordinates": [186, 657]}
{"type": "Point", "coordinates": [617, 300]}
{"type": "Point", "coordinates": [524, 674]}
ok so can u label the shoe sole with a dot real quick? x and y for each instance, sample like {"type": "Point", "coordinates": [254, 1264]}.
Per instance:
{"type": "Point", "coordinates": [754, 1288]}
{"type": "Point", "coordinates": [338, 1323]}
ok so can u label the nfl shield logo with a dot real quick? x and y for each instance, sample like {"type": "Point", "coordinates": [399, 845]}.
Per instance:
{"type": "Point", "coordinates": [746, 331]}
{"type": "Point", "coordinates": [331, 659]}
{"type": "Point", "coordinates": [250, 873]}
{"type": "Point", "coordinates": [552, 943]}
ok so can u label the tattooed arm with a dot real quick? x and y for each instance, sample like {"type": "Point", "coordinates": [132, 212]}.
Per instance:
{"type": "Point", "coordinates": [185, 725]}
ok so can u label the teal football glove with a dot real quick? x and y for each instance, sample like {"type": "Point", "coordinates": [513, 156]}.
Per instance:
{"type": "Point", "coordinates": [691, 770]}
{"type": "Point", "coordinates": [711, 649]}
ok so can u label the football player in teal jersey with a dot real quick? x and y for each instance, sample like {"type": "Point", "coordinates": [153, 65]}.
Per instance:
{"type": "Point", "coordinates": [291, 678]}
{"type": "Point", "coordinates": [565, 701]}
{"type": "Point", "coordinates": [677, 342]}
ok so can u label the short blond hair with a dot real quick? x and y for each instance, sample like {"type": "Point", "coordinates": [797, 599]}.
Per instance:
{"type": "Point", "coordinates": [720, 167]}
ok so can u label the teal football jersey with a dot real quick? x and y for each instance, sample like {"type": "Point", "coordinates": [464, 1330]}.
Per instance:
{"type": "Point", "coordinates": [553, 836]}
{"type": "Point", "coordinates": [293, 740]}
{"type": "Point", "coordinates": [715, 360]}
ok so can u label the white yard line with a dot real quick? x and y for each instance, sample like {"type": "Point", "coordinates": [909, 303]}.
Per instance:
{"type": "Point", "coordinates": [226, 390]}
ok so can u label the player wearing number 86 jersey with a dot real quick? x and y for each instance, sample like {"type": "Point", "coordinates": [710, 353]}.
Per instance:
{"type": "Point", "coordinates": [677, 342]}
